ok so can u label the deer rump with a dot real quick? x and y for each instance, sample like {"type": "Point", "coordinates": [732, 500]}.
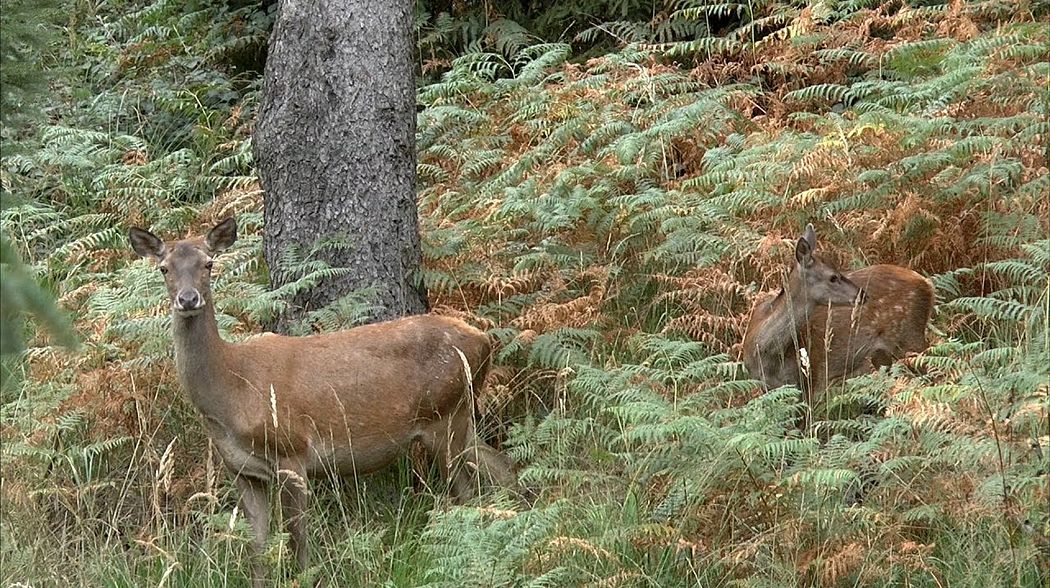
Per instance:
{"type": "Point", "coordinates": [843, 341]}
{"type": "Point", "coordinates": [350, 402]}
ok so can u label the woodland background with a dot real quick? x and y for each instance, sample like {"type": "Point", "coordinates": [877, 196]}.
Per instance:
{"type": "Point", "coordinates": [605, 187]}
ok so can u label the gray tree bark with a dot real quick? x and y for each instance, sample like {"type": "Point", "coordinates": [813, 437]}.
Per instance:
{"type": "Point", "coordinates": [334, 144]}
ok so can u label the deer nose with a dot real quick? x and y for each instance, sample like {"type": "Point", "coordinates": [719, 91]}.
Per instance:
{"type": "Point", "coordinates": [188, 300]}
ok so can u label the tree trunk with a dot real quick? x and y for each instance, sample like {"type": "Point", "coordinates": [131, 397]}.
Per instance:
{"type": "Point", "coordinates": [335, 148]}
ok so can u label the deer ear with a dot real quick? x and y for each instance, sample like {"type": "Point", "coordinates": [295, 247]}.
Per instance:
{"type": "Point", "coordinates": [222, 236]}
{"type": "Point", "coordinates": [810, 236]}
{"type": "Point", "coordinates": [146, 244]}
{"type": "Point", "coordinates": [807, 243]}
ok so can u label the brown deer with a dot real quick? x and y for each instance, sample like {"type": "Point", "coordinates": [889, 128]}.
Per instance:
{"type": "Point", "coordinates": [284, 409]}
{"type": "Point", "coordinates": [846, 323]}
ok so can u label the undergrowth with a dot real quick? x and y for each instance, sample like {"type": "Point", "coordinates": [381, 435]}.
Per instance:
{"type": "Point", "coordinates": [609, 221]}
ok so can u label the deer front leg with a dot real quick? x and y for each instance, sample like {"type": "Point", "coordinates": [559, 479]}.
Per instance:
{"type": "Point", "coordinates": [256, 504]}
{"type": "Point", "coordinates": [294, 496]}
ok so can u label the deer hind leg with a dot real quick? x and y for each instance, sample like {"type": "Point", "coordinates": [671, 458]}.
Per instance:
{"type": "Point", "coordinates": [494, 468]}
{"type": "Point", "coordinates": [294, 497]}
{"type": "Point", "coordinates": [256, 504]}
{"type": "Point", "coordinates": [448, 442]}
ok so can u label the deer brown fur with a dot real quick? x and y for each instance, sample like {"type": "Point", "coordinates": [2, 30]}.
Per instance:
{"type": "Point", "coordinates": [287, 409]}
{"type": "Point", "coordinates": [848, 323]}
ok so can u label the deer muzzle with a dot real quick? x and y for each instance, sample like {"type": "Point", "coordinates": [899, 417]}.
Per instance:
{"type": "Point", "coordinates": [188, 301]}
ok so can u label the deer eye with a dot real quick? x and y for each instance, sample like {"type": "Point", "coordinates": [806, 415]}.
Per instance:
{"type": "Point", "coordinates": [163, 269]}
{"type": "Point", "coordinates": [209, 264]}
{"type": "Point", "coordinates": [834, 279]}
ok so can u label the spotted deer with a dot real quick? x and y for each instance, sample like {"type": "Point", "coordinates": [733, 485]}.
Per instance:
{"type": "Point", "coordinates": [286, 409]}
{"type": "Point", "coordinates": [847, 323]}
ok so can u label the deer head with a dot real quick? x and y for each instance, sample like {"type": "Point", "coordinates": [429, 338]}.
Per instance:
{"type": "Point", "coordinates": [821, 282]}
{"type": "Point", "coordinates": [186, 264]}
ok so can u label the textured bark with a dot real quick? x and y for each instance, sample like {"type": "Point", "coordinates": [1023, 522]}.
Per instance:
{"type": "Point", "coordinates": [335, 148]}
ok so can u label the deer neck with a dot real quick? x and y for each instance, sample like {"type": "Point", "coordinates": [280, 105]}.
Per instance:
{"type": "Point", "coordinates": [199, 359]}
{"type": "Point", "coordinates": [789, 313]}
